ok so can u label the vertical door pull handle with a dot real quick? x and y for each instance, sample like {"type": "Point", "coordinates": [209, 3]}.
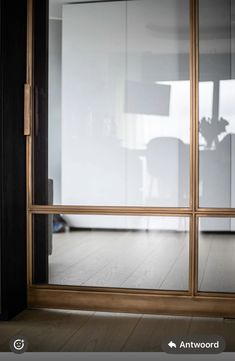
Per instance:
{"type": "Point", "coordinates": [27, 109]}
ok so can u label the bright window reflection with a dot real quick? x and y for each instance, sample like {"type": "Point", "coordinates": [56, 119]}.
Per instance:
{"type": "Point", "coordinates": [216, 104]}
{"type": "Point", "coordinates": [119, 104]}
{"type": "Point", "coordinates": [140, 129]}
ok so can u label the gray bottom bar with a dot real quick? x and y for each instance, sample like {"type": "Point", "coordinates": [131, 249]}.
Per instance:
{"type": "Point", "coordinates": [101, 356]}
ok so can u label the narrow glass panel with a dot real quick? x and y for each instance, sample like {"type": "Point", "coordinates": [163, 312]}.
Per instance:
{"type": "Point", "coordinates": [216, 103]}
{"type": "Point", "coordinates": [112, 251]}
{"type": "Point", "coordinates": [119, 103]}
{"type": "Point", "coordinates": [216, 255]}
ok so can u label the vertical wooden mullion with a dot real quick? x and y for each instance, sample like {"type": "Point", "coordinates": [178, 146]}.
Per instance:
{"type": "Point", "coordinates": [194, 172]}
{"type": "Point", "coordinates": [194, 104]}
{"type": "Point", "coordinates": [29, 81]}
{"type": "Point", "coordinates": [196, 150]}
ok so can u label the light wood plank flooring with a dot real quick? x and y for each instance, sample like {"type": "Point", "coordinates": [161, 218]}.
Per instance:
{"type": "Point", "coordinates": [53, 330]}
{"type": "Point", "coordinates": [143, 259]}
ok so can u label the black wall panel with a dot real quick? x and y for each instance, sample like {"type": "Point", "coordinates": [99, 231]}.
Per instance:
{"type": "Point", "coordinates": [12, 158]}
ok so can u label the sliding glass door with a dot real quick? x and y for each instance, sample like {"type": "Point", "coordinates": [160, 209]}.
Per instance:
{"type": "Point", "coordinates": [130, 154]}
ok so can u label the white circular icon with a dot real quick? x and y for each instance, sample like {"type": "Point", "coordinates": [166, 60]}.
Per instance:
{"type": "Point", "coordinates": [18, 344]}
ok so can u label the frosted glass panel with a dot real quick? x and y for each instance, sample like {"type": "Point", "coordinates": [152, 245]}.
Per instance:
{"type": "Point", "coordinates": [216, 255]}
{"type": "Point", "coordinates": [119, 106]}
{"type": "Point", "coordinates": [216, 103]}
{"type": "Point", "coordinates": [118, 251]}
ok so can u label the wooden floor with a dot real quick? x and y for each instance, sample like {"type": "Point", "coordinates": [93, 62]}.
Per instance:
{"type": "Point", "coordinates": [121, 259]}
{"type": "Point", "coordinates": [144, 259]}
{"type": "Point", "coordinates": [67, 331]}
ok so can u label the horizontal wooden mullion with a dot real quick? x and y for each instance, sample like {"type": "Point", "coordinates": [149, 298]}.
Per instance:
{"type": "Point", "coordinates": [109, 210]}
{"type": "Point", "coordinates": [134, 211]}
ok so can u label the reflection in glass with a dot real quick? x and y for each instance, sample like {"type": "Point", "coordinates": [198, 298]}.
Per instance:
{"type": "Point", "coordinates": [216, 255]}
{"type": "Point", "coordinates": [118, 251]}
{"type": "Point", "coordinates": [119, 106]}
{"type": "Point", "coordinates": [216, 103]}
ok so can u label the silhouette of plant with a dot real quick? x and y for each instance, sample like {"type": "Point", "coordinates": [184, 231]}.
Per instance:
{"type": "Point", "coordinates": [211, 128]}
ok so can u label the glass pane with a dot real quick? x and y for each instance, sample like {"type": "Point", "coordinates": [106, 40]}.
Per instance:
{"type": "Point", "coordinates": [119, 103]}
{"type": "Point", "coordinates": [216, 103]}
{"type": "Point", "coordinates": [113, 251]}
{"type": "Point", "coordinates": [216, 255]}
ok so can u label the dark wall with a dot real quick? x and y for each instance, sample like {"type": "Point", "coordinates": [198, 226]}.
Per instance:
{"type": "Point", "coordinates": [40, 140]}
{"type": "Point", "coordinates": [12, 158]}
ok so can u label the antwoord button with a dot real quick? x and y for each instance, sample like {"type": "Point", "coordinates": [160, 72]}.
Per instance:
{"type": "Point", "coordinates": [204, 344]}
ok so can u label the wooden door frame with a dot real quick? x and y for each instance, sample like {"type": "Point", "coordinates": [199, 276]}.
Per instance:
{"type": "Point", "coordinates": [191, 302]}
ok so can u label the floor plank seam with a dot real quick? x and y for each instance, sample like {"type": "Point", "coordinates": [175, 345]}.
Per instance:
{"type": "Point", "coordinates": [74, 333]}
{"type": "Point", "coordinates": [205, 266]}
{"type": "Point", "coordinates": [131, 333]}
{"type": "Point", "coordinates": [172, 267]}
